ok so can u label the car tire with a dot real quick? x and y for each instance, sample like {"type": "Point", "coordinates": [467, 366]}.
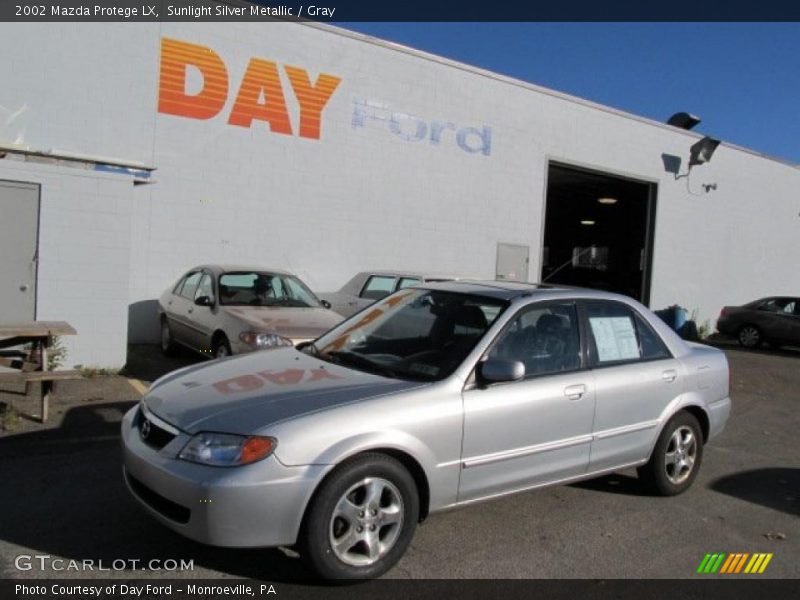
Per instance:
{"type": "Point", "coordinates": [676, 458]}
{"type": "Point", "coordinates": [749, 336]}
{"type": "Point", "coordinates": [168, 345]}
{"type": "Point", "coordinates": [221, 347]}
{"type": "Point", "coordinates": [361, 519]}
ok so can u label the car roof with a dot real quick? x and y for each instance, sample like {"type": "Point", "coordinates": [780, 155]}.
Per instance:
{"type": "Point", "coordinates": [511, 290]}
{"type": "Point", "coordinates": [227, 268]}
{"type": "Point", "coordinates": [414, 274]}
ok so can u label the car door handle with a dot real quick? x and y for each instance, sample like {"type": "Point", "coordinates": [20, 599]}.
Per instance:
{"type": "Point", "coordinates": [575, 392]}
{"type": "Point", "coordinates": [190, 311]}
{"type": "Point", "coordinates": [669, 375]}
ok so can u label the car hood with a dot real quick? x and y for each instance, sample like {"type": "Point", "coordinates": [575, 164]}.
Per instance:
{"type": "Point", "coordinates": [247, 393]}
{"type": "Point", "coordinates": [290, 322]}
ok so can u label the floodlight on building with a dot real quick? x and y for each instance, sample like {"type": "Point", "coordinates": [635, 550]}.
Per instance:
{"type": "Point", "coordinates": [683, 120]}
{"type": "Point", "coordinates": [702, 151]}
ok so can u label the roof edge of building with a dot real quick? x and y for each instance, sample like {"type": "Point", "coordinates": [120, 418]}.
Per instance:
{"type": "Point", "coordinates": [362, 37]}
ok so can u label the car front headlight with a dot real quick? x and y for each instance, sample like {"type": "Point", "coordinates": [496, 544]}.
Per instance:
{"type": "Point", "coordinates": [264, 340]}
{"type": "Point", "coordinates": [227, 450]}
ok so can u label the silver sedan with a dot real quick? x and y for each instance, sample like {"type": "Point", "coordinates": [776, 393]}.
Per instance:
{"type": "Point", "coordinates": [434, 398]}
{"type": "Point", "coordinates": [224, 310]}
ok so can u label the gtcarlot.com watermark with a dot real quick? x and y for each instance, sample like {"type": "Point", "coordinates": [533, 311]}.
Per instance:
{"type": "Point", "coordinates": [45, 562]}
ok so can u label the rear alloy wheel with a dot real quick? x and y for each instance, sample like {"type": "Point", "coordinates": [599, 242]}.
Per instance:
{"type": "Point", "coordinates": [222, 347]}
{"type": "Point", "coordinates": [750, 336]}
{"type": "Point", "coordinates": [168, 346]}
{"type": "Point", "coordinates": [361, 519]}
{"type": "Point", "coordinates": [676, 458]}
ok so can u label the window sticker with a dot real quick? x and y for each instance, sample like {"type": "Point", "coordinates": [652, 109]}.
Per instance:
{"type": "Point", "coordinates": [615, 338]}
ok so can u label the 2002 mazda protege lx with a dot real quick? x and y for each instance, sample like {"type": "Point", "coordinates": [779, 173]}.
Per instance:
{"type": "Point", "coordinates": [432, 398]}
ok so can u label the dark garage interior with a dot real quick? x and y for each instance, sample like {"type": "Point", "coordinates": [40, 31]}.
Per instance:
{"type": "Point", "coordinates": [598, 231]}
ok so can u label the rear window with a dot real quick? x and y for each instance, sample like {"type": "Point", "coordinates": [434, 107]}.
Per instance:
{"type": "Point", "coordinates": [780, 305]}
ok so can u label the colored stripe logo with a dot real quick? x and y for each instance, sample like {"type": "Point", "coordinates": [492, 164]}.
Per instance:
{"type": "Point", "coordinates": [735, 563]}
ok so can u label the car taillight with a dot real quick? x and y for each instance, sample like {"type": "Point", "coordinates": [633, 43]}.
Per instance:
{"type": "Point", "coordinates": [723, 312]}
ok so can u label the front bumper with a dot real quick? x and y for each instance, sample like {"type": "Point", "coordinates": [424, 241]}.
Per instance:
{"type": "Point", "coordinates": [256, 505]}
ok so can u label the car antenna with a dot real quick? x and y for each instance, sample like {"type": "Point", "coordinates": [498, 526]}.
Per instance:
{"type": "Point", "coordinates": [569, 260]}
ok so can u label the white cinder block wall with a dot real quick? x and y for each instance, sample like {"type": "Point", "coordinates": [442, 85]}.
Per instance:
{"type": "Point", "coordinates": [84, 257]}
{"type": "Point", "coordinates": [366, 195]}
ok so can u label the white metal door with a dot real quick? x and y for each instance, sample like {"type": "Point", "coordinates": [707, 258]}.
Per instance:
{"type": "Point", "coordinates": [19, 232]}
{"type": "Point", "coordinates": [512, 262]}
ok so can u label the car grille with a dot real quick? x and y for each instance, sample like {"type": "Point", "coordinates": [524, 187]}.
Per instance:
{"type": "Point", "coordinates": [171, 510]}
{"type": "Point", "coordinates": [154, 436]}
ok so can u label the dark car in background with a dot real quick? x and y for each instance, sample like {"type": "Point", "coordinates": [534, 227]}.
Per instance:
{"type": "Point", "coordinates": [774, 320]}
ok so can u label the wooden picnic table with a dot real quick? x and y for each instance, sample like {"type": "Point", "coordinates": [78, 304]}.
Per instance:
{"type": "Point", "coordinates": [31, 365]}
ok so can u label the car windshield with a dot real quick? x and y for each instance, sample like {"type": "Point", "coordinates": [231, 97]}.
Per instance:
{"type": "Point", "coordinates": [252, 288]}
{"type": "Point", "coordinates": [414, 334]}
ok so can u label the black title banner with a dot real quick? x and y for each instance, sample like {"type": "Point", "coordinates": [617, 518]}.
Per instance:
{"type": "Point", "coordinates": [332, 11]}
{"type": "Point", "coordinates": [387, 589]}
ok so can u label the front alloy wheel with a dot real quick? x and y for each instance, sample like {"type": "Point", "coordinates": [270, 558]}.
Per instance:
{"type": "Point", "coordinates": [361, 519]}
{"type": "Point", "coordinates": [366, 522]}
{"type": "Point", "coordinates": [222, 347]}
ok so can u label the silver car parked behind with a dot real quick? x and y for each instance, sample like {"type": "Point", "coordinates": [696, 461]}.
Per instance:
{"type": "Point", "coordinates": [435, 397]}
{"type": "Point", "coordinates": [368, 287]}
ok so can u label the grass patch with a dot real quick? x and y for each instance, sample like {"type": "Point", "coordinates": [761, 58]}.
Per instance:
{"type": "Point", "coordinates": [9, 417]}
{"type": "Point", "coordinates": [97, 372]}
{"type": "Point", "coordinates": [56, 354]}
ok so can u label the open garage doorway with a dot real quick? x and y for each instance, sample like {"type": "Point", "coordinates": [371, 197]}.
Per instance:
{"type": "Point", "coordinates": [598, 231]}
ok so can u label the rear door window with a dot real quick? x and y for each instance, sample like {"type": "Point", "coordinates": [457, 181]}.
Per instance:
{"type": "Point", "coordinates": [617, 334]}
{"type": "Point", "coordinates": [650, 343]}
{"type": "Point", "coordinates": [378, 287]}
{"type": "Point", "coordinates": [406, 282]}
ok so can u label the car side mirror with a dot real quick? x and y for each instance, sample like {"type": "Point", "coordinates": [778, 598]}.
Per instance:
{"type": "Point", "coordinates": [204, 301]}
{"type": "Point", "coordinates": [499, 370]}
{"type": "Point", "coordinates": [325, 303]}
